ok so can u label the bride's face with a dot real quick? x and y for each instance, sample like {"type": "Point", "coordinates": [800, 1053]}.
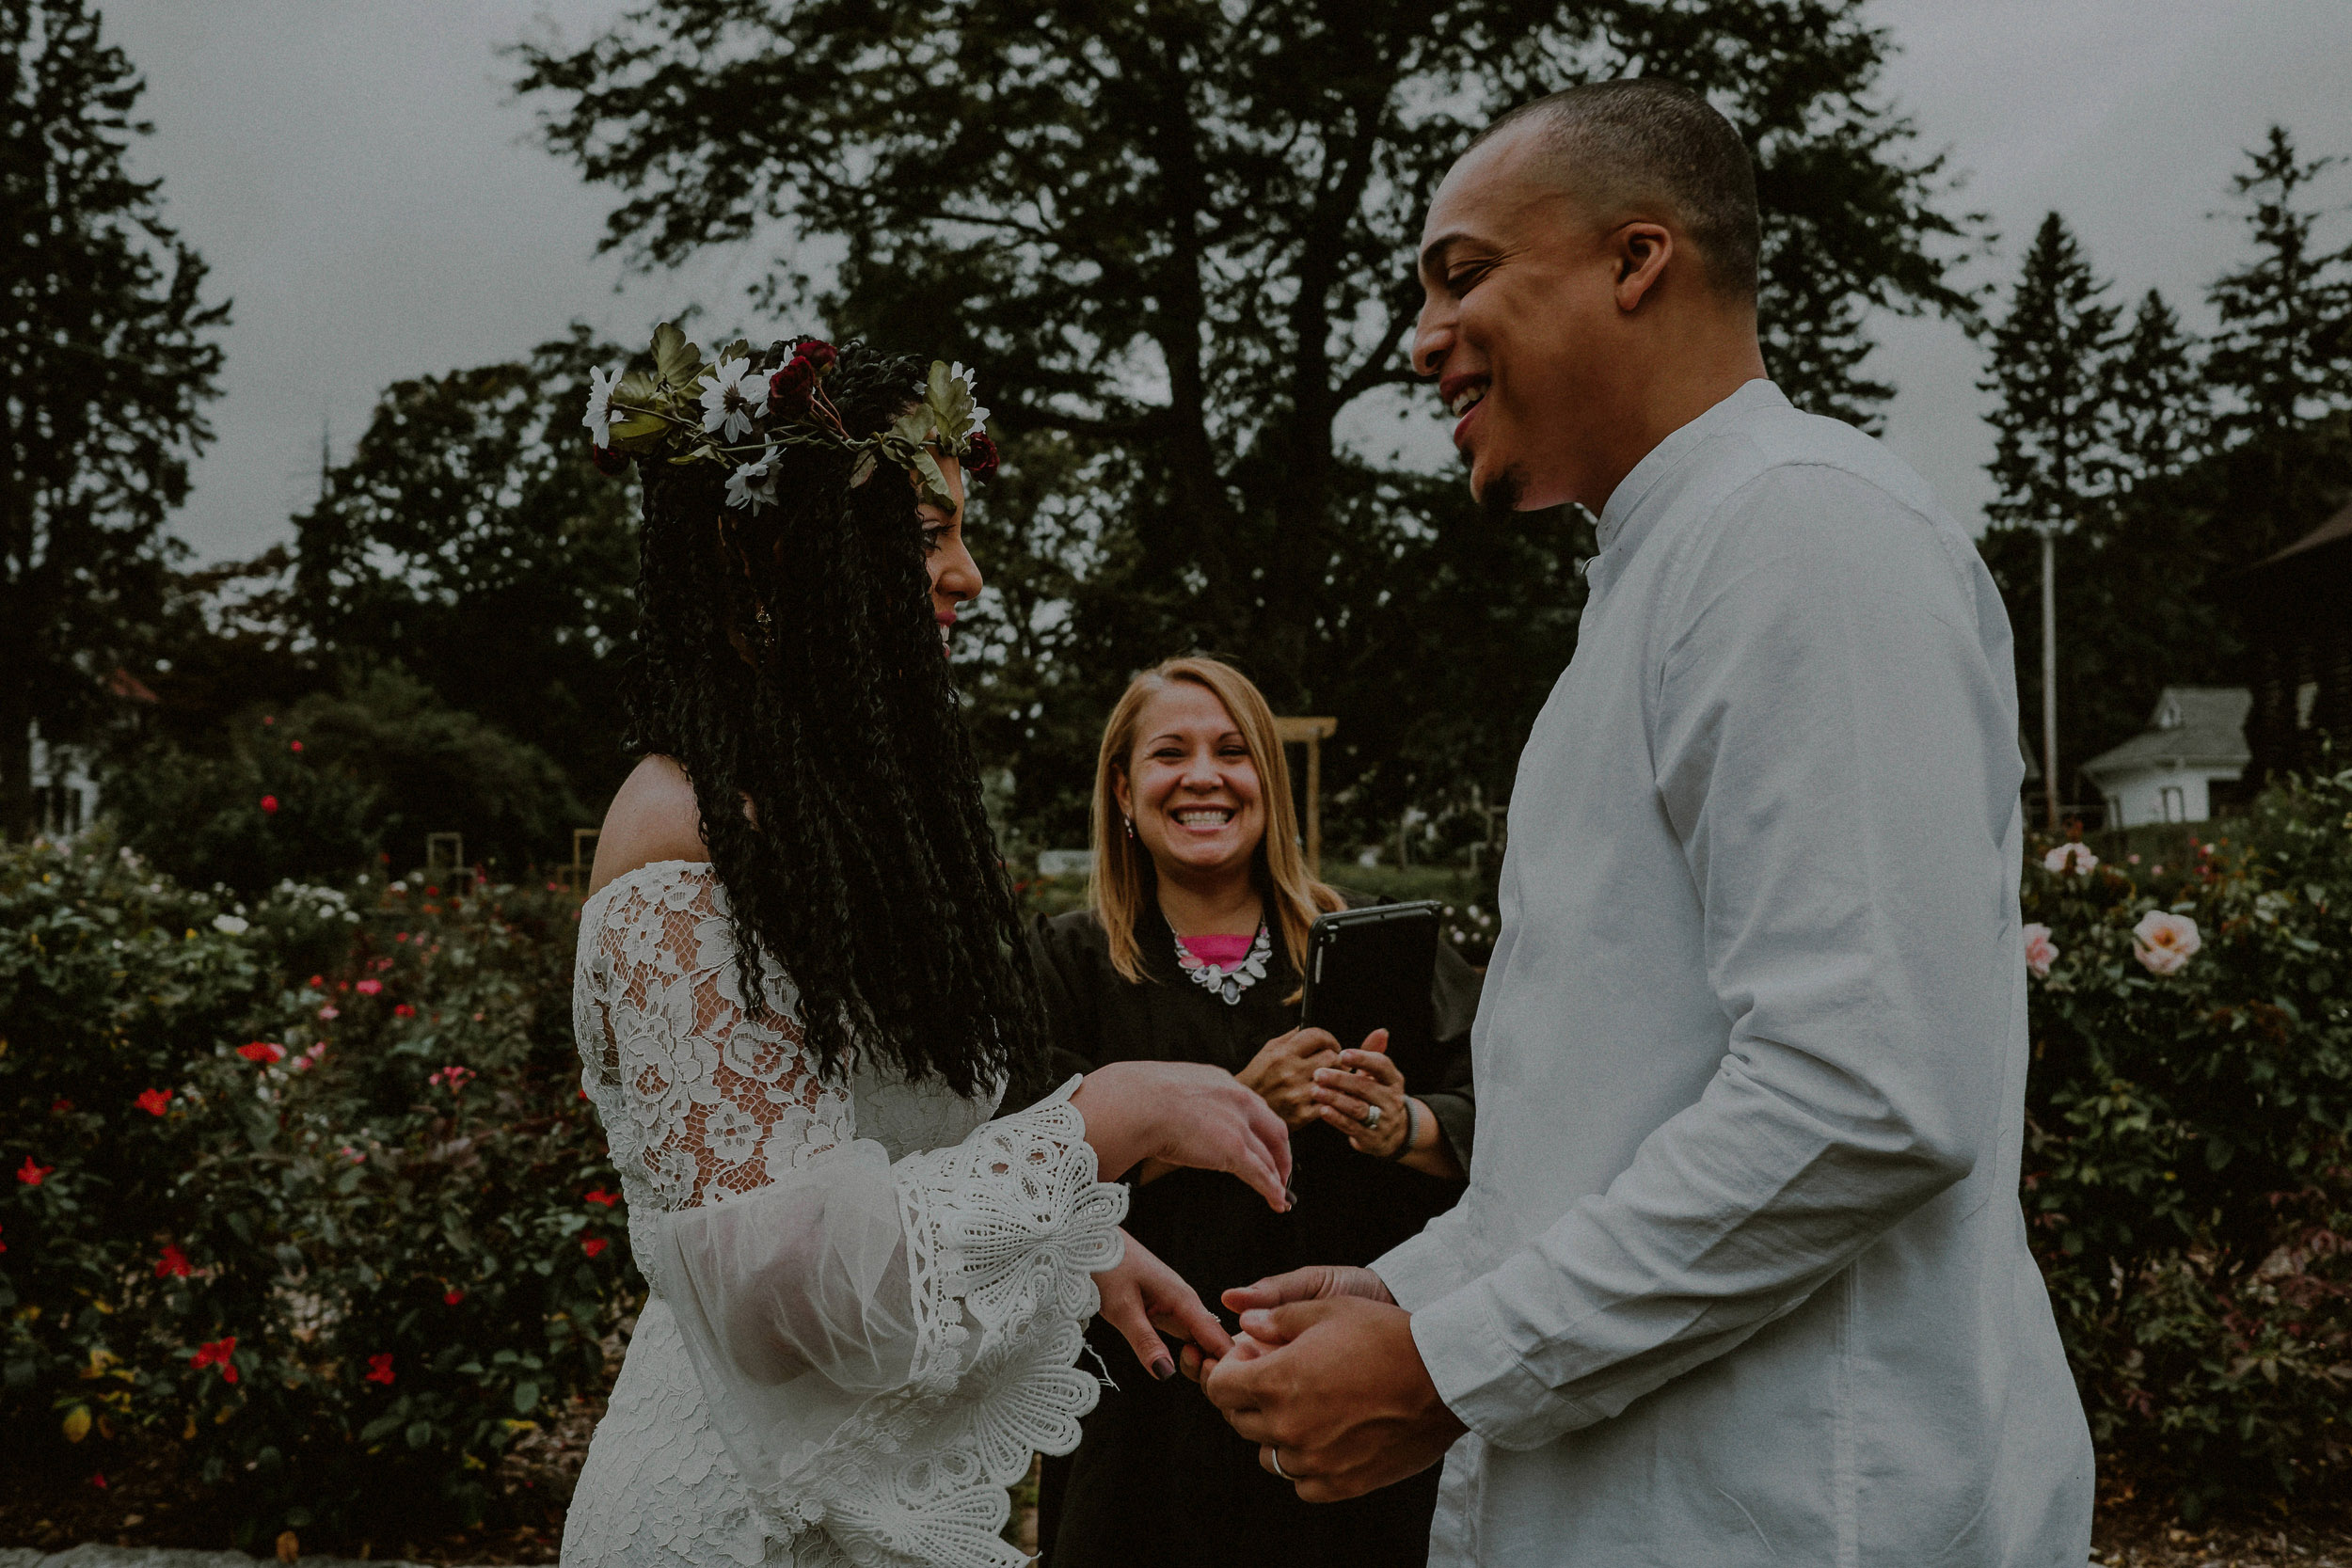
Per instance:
{"type": "Point", "coordinates": [955, 576]}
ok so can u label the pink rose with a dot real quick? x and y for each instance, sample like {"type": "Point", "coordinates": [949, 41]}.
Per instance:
{"type": "Point", "coordinates": [369, 988]}
{"type": "Point", "coordinates": [2070, 857]}
{"type": "Point", "coordinates": [2041, 953]}
{"type": "Point", "coordinates": [2163, 942]}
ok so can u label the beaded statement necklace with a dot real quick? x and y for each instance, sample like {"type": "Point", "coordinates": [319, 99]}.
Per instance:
{"type": "Point", "coordinates": [1227, 985]}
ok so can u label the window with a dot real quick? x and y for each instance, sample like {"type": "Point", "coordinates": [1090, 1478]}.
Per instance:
{"type": "Point", "coordinates": [2175, 807]}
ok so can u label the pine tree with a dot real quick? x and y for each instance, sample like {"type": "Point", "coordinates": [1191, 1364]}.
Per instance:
{"type": "Point", "coordinates": [106, 360]}
{"type": "Point", "coordinates": [2283, 360]}
{"type": "Point", "coordinates": [2163, 410]}
{"type": "Point", "coordinates": [2056, 457]}
{"type": "Point", "coordinates": [2056, 421]}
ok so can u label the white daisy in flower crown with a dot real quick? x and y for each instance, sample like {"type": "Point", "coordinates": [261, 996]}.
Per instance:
{"type": "Point", "coordinates": [742, 411]}
{"type": "Point", "coordinates": [737, 395]}
{"type": "Point", "coordinates": [601, 385]}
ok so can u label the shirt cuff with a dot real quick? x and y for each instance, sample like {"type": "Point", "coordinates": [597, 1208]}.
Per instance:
{"type": "Point", "coordinates": [1418, 1270]}
{"type": "Point", "coordinates": [1482, 1379]}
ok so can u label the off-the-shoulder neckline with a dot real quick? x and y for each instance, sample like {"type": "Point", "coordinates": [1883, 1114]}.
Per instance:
{"type": "Point", "coordinates": [632, 875]}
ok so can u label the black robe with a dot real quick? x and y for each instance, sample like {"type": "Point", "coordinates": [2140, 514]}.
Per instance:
{"type": "Point", "coordinates": [1159, 1480]}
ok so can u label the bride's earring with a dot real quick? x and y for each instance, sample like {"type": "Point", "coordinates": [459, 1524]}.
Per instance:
{"type": "Point", "coordinates": [1131, 825]}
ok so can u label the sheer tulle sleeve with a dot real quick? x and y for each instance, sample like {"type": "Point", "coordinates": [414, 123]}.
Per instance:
{"type": "Point", "coordinates": [882, 1344]}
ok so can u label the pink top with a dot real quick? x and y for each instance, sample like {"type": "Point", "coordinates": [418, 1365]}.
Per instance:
{"type": "Point", "coordinates": [1221, 951]}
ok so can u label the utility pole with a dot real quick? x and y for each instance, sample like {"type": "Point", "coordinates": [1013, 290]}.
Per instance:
{"type": "Point", "coordinates": [2049, 667]}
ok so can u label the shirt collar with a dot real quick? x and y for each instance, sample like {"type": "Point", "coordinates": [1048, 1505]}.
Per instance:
{"type": "Point", "coordinates": [1623, 522]}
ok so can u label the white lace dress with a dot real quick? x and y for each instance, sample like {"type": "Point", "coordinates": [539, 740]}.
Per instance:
{"type": "Point", "coordinates": [867, 1297]}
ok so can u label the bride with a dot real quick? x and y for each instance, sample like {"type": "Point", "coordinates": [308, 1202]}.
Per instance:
{"type": "Point", "coordinates": [801, 990]}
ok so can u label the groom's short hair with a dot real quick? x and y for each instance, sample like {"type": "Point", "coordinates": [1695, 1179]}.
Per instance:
{"type": "Point", "coordinates": [1641, 142]}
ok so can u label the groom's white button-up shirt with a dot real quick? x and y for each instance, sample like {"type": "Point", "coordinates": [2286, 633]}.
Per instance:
{"type": "Point", "coordinates": [1741, 1275]}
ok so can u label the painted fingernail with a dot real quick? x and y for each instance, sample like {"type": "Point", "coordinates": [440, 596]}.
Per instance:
{"type": "Point", "coordinates": [1290, 1200]}
{"type": "Point", "coordinates": [1163, 1369]}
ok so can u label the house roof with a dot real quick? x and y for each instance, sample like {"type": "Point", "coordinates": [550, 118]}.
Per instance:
{"type": "Point", "coordinates": [2193, 726]}
{"type": "Point", "coordinates": [2335, 528]}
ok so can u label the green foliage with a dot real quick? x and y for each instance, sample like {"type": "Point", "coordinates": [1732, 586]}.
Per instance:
{"type": "Point", "coordinates": [469, 540]}
{"type": "Point", "coordinates": [342, 782]}
{"type": "Point", "coordinates": [106, 360]}
{"type": "Point", "coordinates": [1176, 239]}
{"type": "Point", "coordinates": [383, 1212]}
{"type": "Point", "coordinates": [2188, 1168]}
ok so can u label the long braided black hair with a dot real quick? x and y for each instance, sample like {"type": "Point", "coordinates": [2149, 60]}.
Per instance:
{"type": "Point", "coordinates": [788, 662]}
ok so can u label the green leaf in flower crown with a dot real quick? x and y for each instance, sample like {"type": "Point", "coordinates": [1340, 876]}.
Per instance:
{"type": "Point", "coordinates": [912, 428]}
{"type": "Point", "coordinates": [928, 478]}
{"type": "Point", "coordinates": [633, 431]}
{"type": "Point", "coordinates": [735, 350]}
{"type": "Point", "coordinates": [951, 401]}
{"type": "Point", "coordinates": [679, 361]}
{"type": "Point", "coordinates": [864, 471]}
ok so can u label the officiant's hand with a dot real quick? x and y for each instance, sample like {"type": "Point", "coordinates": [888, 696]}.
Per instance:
{"type": "Point", "coordinates": [1334, 1394]}
{"type": "Point", "coordinates": [1185, 1114]}
{"type": "Point", "coordinates": [1143, 1298]}
{"type": "Point", "coordinates": [1282, 1073]}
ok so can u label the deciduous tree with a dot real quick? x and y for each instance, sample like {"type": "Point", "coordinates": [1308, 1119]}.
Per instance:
{"type": "Point", "coordinates": [1176, 237]}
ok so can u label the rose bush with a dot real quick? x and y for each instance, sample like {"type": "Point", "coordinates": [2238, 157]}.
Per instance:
{"type": "Point", "coordinates": [304, 1185]}
{"type": "Point", "coordinates": [2188, 1178]}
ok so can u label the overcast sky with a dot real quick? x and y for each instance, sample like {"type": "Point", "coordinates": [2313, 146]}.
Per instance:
{"type": "Point", "coordinates": [370, 195]}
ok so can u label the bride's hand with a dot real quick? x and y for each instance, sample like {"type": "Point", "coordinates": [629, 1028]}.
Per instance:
{"type": "Point", "coordinates": [1316, 1282]}
{"type": "Point", "coordinates": [1185, 1114]}
{"type": "Point", "coordinates": [1143, 1298]}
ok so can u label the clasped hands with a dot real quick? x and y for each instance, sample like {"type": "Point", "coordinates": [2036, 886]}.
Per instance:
{"type": "Point", "coordinates": [1324, 1376]}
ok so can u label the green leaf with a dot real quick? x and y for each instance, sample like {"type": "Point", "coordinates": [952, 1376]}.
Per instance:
{"type": "Point", "coordinates": [679, 362]}
{"type": "Point", "coordinates": [420, 1433]}
{"type": "Point", "coordinates": [526, 1397]}
{"type": "Point", "coordinates": [950, 400]}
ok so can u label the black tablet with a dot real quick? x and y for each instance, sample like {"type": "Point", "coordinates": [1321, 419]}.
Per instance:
{"type": "Point", "coordinates": [1371, 969]}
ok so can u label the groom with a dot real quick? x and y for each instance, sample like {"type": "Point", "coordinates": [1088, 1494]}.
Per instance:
{"type": "Point", "coordinates": [1741, 1276]}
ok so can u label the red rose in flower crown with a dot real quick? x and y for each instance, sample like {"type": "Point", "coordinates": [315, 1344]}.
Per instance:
{"type": "Point", "coordinates": [792, 389]}
{"type": "Point", "coordinates": [980, 458]}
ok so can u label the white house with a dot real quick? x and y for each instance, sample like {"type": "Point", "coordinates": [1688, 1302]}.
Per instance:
{"type": "Point", "coordinates": [2165, 773]}
{"type": "Point", "coordinates": [63, 789]}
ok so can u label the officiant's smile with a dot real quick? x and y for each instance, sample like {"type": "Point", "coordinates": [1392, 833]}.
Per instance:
{"type": "Point", "coordinates": [1193, 793]}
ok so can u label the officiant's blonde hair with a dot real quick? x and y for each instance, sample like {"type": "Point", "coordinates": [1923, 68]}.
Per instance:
{"type": "Point", "coordinates": [1120, 881]}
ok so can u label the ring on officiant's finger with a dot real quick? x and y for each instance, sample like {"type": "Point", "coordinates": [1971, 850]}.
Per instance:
{"type": "Point", "coordinates": [1274, 1457]}
{"type": "Point", "coordinates": [1371, 1119]}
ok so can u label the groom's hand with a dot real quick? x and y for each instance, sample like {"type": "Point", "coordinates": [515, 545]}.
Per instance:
{"type": "Point", "coordinates": [1335, 1391]}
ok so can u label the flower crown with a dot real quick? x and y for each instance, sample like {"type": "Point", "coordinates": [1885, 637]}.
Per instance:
{"type": "Point", "coordinates": [744, 410]}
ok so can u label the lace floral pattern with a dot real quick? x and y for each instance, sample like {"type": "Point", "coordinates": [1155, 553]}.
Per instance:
{"type": "Point", "coordinates": [1003, 1228]}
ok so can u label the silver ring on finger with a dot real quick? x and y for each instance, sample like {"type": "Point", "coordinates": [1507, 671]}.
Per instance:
{"type": "Point", "coordinates": [1274, 1455]}
{"type": "Point", "coordinates": [1371, 1119]}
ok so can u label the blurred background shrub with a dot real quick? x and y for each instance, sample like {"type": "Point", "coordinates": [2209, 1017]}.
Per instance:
{"type": "Point", "coordinates": [299, 1182]}
{"type": "Point", "coordinates": [2188, 1177]}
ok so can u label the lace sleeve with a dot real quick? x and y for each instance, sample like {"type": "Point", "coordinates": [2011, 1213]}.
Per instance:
{"type": "Point", "coordinates": [882, 1346]}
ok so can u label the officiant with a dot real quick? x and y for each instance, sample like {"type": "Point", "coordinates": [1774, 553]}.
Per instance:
{"type": "Point", "coordinates": [1192, 951]}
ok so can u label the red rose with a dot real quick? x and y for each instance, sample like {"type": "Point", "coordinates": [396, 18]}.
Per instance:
{"type": "Point", "coordinates": [980, 458]}
{"type": "Point", "coordinates": [380, 1369]}
{"type": "Point", "coordinates": [453, 1296]}
{"type": "Point", "coordinates": [609, 463]}
{"type": "Point", "coordinates": [269, 805]}
{"type": "Point", "coordinates": [594, 1245]}
{"type": "Point", "coordinates": [31, 1174]}
{"type": "Point", "coordinates": [155, 1102]}
{"type": "Point", "coordinates": [174, 1263]}
{"type": "Point", "coordinates": [792, 389]}
{"type": "Point", "coordinates": [820, 355]}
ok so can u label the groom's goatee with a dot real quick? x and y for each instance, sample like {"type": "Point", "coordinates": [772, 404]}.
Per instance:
{"type": "Point", "coordinates": [1502, 496]}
